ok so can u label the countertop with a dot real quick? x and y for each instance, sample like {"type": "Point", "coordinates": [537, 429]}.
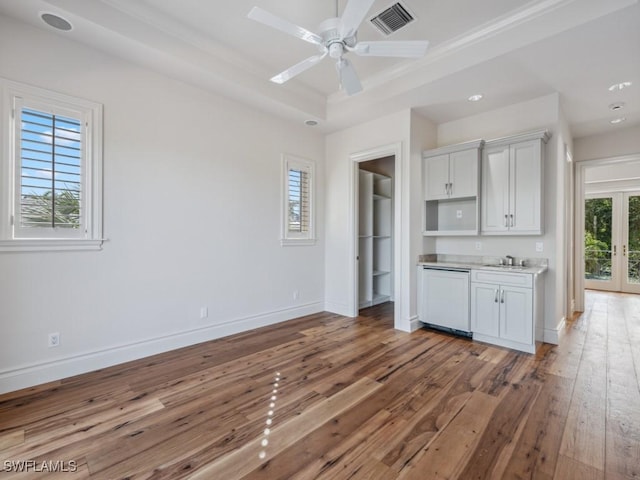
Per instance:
{"type": "Point", "coordinates": [533, 266]}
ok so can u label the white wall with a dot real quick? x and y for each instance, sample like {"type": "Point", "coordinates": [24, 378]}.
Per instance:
{"type": "Point", "coordinates": [540, 113]}
{"type": "Point", "coordinates": [339, 181]}
{"type": "Point", "coordinates": [424, 136]}
{"type": "Point", "coordinates": [191, 212]}
{"type": "Point", "coordinates": [414, 133]}
{"type": "Point", "coordinates": [618, 142]}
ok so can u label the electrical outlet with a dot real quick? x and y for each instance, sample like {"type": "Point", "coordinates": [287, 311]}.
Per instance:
{"type": "Point", "coordinates": [458, 213]}
{"type": "Point", "coordinates": [296, 294]}
{"type": "Point", "coordinates": [204, 312]}
{"type": "Point", "coordinates": [54, 339]}
{"type": "Point", "coordinates": [539, 246]}
{"type": "Point", "coordinates": [478, 245]}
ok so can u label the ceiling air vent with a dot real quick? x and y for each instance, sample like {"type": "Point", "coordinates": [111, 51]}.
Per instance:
{"type": "Point", "coordinates": [392, 19]}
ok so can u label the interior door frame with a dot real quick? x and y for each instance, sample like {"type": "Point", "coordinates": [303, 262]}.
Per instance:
{"type": "Point", "coordinates": [580, 187]}
{"type": "Point", "coordinates": [394, 150]}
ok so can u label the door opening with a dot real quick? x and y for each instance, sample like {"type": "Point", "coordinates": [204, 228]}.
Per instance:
{"type": "Point", "coordinates": [612, 241]}
{"type": "Point", "coordinates": [375, 242]}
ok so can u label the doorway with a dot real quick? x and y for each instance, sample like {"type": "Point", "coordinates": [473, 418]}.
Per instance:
{"type": "Point", "coordinates": [598, 179]}
{"type": "Point", "coordinates": [399, 276]}
{"type": "Point", "coordinates": [375, 231]}
{"type": "Point", "coordinates": [612, 241]}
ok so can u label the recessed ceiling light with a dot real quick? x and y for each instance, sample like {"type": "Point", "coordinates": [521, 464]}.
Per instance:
{"type": "Point", "coordinates": [616, 106]}
{"type": "Point", "coordinates": [619, 86]}
{"type": "Point", "coordinates": [618, 120]}
{"type": "Point", "coordinates": [310, 123]}
{"type": "Point", "coordinates": [56, 22]}
{"type": "Point", "coordinates": [476, 98]}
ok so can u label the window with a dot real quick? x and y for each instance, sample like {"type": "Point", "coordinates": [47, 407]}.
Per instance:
{"type": "Point", "coordinates": [51, 171]}
{"type": "Point", "coordinates": [298, 222]}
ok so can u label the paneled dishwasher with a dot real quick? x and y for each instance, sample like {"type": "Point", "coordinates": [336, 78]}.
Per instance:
{"type": "Point", "coordinates": [445, 298]}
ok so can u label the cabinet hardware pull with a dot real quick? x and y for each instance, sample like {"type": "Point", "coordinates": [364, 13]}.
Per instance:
{"type": "Point", "coordinates": [496, 297]}
{"type": "Point", "coordinates": [502, 297]}
{"type": "Point", "coordinates": [511, 216]}
{"type": "Point", "coordinates": [446, 189]}
{"type": "Point", "coordinates": [506, 220]}
{"type": "Point", "coordinates": [451, 189]}
{"type": "Point", "coordinates": [624, 250]}
{"type": "Point", "coordinates": [614, 251]}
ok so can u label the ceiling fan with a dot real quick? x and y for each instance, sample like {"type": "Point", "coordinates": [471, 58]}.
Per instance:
{"type": "Point", "coordinates": [338, 36]}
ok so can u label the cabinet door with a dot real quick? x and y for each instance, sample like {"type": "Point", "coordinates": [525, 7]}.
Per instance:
{"type": "Point", "coordinates": [516, 314]}
{"type": "Point", "coordinates": [526, 187]}
{"type": "Point", "coordinates": [436, 177]}
{"type": "Point", "coordinates": [495, 189]}
{"type": "Point", "coordinates": [463, 173]}
{"type": "Point", "coordinates": [485, 309]}
{"type": "Point", "coordinates": [446, 299]}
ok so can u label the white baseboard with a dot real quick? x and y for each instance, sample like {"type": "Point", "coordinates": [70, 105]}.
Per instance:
{"type": "Point", "coordinates": [338, 308]}
{"type": "Point", "coordinates": [30, 375]}
{"type": "Point", "coordinates": [414, 323]}
{"type": "Point", "coordinates": [554, 335]}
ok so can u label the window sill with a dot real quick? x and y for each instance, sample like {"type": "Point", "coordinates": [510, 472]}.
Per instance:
{"type": "Point", "coordinates": [49, 245]}
{"type": "Point", "coordinates": [286, 242]}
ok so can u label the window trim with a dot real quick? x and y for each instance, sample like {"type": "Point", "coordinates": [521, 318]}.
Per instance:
{"type": "Point", "coordinates": [291, 162]}
{"type": "Point", "coordinates": [91, 238]}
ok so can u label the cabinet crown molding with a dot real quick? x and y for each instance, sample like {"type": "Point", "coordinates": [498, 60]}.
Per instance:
{"type": "Point", "coordinates": [543, 135]}
{"type": "Point", "coordinates": [453, 148]}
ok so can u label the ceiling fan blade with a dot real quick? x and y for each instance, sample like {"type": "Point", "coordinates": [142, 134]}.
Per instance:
{"type": "Point", "coordinates": [353, 15]}
{"type": "Point", "coordinates": [348, 77]}
{"type": "Point", "coordinates": [273, 21]}
{"type": "Point", "coordinates": [408, 49]}
{"type": "Point", "coordinates": [298, 68]}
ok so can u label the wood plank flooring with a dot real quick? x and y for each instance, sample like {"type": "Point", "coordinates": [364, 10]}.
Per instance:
{"type": "Point", "coordinates": [326, 396]}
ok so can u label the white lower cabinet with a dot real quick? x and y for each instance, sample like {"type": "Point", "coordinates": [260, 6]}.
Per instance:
{"type": "Point", "coordinates": [503, 309]}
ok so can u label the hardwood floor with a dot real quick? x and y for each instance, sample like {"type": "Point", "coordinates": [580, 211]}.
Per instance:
{"type": "Point", "coordinates": [354, 399]}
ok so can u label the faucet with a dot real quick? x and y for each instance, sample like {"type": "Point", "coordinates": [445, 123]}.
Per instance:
{"type": "Point", "coordinates": [510, 260]}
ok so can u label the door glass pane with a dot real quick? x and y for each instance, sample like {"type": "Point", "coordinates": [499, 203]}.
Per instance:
{"type": "Point", "coordinates": [633, 255]}
{"type": "Point", "coordinates": [597, 238]}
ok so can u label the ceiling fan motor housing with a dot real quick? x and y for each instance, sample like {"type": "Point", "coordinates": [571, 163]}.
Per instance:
{"type": "Point", "coordinates": [330, 30]}
{"type": "Point", "coordinates": [330, 33]}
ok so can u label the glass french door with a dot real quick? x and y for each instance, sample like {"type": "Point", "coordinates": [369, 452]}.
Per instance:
{"type": "Point", "coordinates": [631, 245]}
{"type": "Point", "coordinates": [612, 241]}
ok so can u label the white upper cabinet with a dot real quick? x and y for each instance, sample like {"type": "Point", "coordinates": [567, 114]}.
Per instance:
{"type": "Point", "coordinates": [512, 189]}
{"type": "Point", "coordinates": [436, 177]}
{"type": "Point", "coordinates": [451, 172]}
{"type": "Point", "coordinates": [463, 173]}
{"type": "Point", "coordinates": [450, 183]}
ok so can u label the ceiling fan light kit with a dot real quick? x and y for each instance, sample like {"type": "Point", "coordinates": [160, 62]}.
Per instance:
{"type": "Point", "coordinates": [337, 37]}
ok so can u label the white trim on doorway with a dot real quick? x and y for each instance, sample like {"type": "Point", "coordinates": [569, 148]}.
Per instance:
{"type": "Point", "coordinates": [395, 150]}
{"type": "Point", "coordinates": [580, 191]}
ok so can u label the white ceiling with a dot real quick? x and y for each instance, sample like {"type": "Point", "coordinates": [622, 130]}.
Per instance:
{"type": "Point", "coordinates": [508, 50]}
